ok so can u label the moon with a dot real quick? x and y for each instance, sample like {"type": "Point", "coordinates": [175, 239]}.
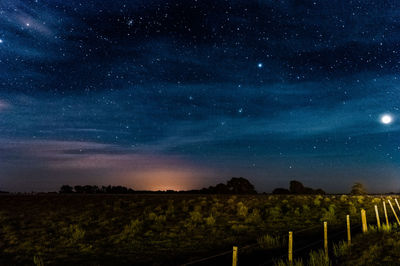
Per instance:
{"type": "Point", "coordinates": [386, 119]}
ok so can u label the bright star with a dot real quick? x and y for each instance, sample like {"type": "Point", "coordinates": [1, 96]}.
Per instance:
{"type": "Point", "coordinates": [260, 65]}
{"type": "Point", "coordinates": [1, 41]}
{"type": "Point", "coordinates": [386, 119]}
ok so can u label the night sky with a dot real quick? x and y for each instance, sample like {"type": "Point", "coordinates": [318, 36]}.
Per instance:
{"type": "Point", "coordinates": [186, 94]}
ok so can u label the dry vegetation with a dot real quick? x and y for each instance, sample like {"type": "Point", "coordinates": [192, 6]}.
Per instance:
{"type": "Point", "coordinates": [171, 229]}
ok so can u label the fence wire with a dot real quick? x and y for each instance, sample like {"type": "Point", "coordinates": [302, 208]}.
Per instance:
{"type": "Point", "coordinates": [272, 260]}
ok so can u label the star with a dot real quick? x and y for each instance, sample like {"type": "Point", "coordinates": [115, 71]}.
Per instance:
{"type": "Point", "coordinates": [260, 65]}
{"type": "Point", "coordinates": [1, 41]}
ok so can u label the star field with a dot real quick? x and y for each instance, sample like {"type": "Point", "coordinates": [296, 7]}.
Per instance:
{"type": "Point", "coordinates": [185, 94]}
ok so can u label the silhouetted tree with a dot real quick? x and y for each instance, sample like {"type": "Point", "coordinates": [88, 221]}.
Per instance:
{"type": "Point", "coordinates": [240, 185]}
{"type": "Point", "coordinates": [296, 187]}
{"type": "Point", "coordinates": [78, 189]}
{"type": "Point", "coordinates": [66, 189]}
{"type": "Point", "coordinates": [221, 189]}
{"type": "Point", "coordinates": [358, 189]}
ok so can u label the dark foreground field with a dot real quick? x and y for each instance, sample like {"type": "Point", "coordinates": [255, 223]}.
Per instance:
{"type": "Point", "coordinates": [178, 229]}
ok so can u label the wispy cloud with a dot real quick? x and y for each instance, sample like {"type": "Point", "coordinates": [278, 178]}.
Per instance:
{"type": "Point", "coordinates": [4, 105]}
{"type": "Point", "coordinates": [103, 163]}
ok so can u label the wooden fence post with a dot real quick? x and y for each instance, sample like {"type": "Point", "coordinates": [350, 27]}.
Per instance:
{"type": "Point", "coordinates": [364, 221]}
{"type": "Point", "coordinates": [394, 212]}
{"type": "Point", "coordinates": [290, 248]}
{"type": "Point", "coordinates": [386, 216]}
{"type": "Point", "coordinates": [234, 256]}
{"type": "Point", "coordinates": [378, 221]}
{"type": "Point", "coordinates": [397, 203]}
{"type": "Point", "coordinates": [348, 230]}
{"type": "Point", "coordinates": [326, 240]}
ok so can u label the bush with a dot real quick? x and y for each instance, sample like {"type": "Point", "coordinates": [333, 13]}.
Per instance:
{"type": "Point", "coordinates": [210, 221]}
{"type": "Point", "coordinates": [318, 258]}
{"type": "Point", "coordinates": [131, 230]}
{"type": "Point", "coordinates": [340, 249]}
{"type": "Point", "coordinates": [196, 217]}
{"type": "Point", "coordinates": [242, 210]}
{"type": "Point", "coordinates": [38, 261]}
{"type": "Point", "coordinates": [329, 214]}
{"type": "Point", "coordinates": [269, 242]}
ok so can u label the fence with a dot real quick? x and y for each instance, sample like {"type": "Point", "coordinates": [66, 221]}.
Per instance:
{"type": "Point", "coordinates": [324, 240]}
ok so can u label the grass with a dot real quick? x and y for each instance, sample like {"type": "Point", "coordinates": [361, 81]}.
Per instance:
{"type": "Point", "coordinates": [271, 242]}
{"type": "Point", "coordinates": [153, 229]}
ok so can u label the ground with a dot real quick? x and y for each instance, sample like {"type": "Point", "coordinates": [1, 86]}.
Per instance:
{"type": "Point", "coordinates": [176, 229]}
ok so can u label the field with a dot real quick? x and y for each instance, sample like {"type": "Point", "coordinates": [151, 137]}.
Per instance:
{"type": "Point", "coordinates": [178, 229]}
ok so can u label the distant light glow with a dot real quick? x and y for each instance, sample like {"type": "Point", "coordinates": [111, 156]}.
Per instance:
{"type": "Point", "coordinates": [1, 41]}
{"type": "Point", "coordinates": [260, 65]}
{"type": "Point", "coordinates": [386, 119]}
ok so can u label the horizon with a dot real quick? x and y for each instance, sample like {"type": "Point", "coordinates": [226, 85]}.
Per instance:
{"type": "Point", "coordinates": [186, 94]}
{"type": "Point", "coordinates": [270, 191]}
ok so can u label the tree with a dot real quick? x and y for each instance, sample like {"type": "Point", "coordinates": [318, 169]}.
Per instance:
{"type": "Point", "coordinates": [296, 187]}
{"type": "Point", "coordinates": [79, 189]}
{"type": "Point", "coordinates": [240, 185]}
{"type": "Point", "coordinates": [358, 189]}
{"type": "Point", "coordinates": [66, 189]}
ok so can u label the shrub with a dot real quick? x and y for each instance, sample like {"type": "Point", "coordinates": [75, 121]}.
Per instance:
{"type": "Point", "coordinates": [76, 233]}
{"type": "Point", "coordinates": [340, 249]}
{"type": "Point", "coordinates": [210, 221]}
{"type": "Point", "coordinates": [275, 212]}
{"type": "Point", "coordinates": [242, 210]}
{"type": "Point", "coordinates": [329, 214]}
{"type": "Point", "coordinates": [131, 230]}
{"type": "Point", "coordinates": [196, 217]}
{"type": "Point", "coordinates": [317, 200]}
{"type": "Point", "coordinates": [318, 258]}
{"type": "Point", "coordinates": [38, 261]}
{"type": "Point", "coordinates": [269, 242]}
{"type": "Point", "coordinates": [254, 217]}
{"type": "Point", "coordinates": [239, 228]}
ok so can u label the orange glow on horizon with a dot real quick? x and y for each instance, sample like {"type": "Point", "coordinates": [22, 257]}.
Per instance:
{"type": "Point", "coordinates": [164, 179]}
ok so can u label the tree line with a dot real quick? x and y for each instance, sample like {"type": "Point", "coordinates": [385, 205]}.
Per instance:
{"type": "Point", "coordinates": [236, 185]}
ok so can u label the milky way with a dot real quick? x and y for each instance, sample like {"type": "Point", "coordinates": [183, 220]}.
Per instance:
{"type": "Point", "coordinates": [185, 94]}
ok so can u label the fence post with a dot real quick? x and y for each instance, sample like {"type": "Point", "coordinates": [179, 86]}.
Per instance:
{"type": "Point", "coordinates": [364, 221]}
{"type": "Point", "coordinates": [326, 240]}
{"type": "Point", "coordinates": [378, 221]}
{"type": "Point", "coordinates": [348, 230]}
{"type": "Point", "coordinates": [386, 216]}
{"type": "Point", "coordinates": [394, 212]}
{"type": "Point", "coordinates": [234, 256]}
{"type": "Point", "coordinates": [397, 203]}
{"type": "Point", "coordinates": [290, 248]}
